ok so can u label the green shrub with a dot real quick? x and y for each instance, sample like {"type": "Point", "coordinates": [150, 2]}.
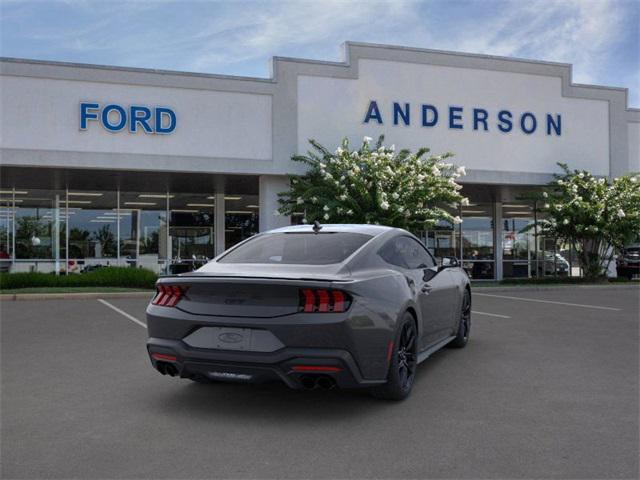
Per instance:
{"type": "Point", "coordinates": [103, 277]}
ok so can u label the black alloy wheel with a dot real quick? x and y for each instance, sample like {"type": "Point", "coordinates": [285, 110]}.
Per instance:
{"type": "Point", "coordinates": [403, 362]}
{"type": "Point", "coordinates": [407, 357]}
{"type": "Point", "coordinates": [464, 327]}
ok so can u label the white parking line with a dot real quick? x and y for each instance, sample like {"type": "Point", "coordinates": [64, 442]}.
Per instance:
{"type": "Point", "coordinates": [123, 313]}
{"type": "Point", "coordinates": [547, 301]}
{"type": "Point", "coordinates": [490, 314]}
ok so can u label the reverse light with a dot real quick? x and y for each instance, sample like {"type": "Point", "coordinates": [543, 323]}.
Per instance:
{"type": "Point", "coordinates": [322, 300]}
{"type": "Point", "coordinates": [168, 295]}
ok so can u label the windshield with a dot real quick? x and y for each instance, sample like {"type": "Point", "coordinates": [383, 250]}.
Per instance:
{"type": "Point", "coordinates": [297, 248]}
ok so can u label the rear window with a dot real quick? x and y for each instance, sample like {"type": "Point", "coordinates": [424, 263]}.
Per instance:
{"type": "Point", "coordinates": [298, 248]}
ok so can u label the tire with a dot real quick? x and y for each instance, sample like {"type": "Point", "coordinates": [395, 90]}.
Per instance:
{"type": "Point", "coordinates": [404, 362]}
{"type": "Point", "coordinates": [464, 325]}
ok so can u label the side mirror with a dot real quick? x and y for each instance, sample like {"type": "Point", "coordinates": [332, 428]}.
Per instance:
{"type": "Point", "coordinates": [448, 262]}
{"type": "Point", "coordinates": [429, 273]}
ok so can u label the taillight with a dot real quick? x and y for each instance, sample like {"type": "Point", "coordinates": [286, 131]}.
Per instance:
{"type": "Point", "coordinates": [322, 300]}
{"type": "Point", "coordinates": [168, 295]}
{"type": "Point", "coordinates": [163, 357]}
{"type": "Point", "coordinates": [315, 368]}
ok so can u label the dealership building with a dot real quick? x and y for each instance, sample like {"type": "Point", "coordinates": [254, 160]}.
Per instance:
{"type": "Point", "coordinates": [106, 165]}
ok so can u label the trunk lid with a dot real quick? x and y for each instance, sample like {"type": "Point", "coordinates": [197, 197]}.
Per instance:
{"type": "Point", "coordinates": [256, 291]}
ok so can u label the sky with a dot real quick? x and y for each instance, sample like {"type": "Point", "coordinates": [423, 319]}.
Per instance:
{"type": "Point", "coordinates": [601, 38]}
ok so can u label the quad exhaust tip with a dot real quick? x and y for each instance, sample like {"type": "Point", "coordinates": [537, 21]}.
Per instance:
{"type": "Point", "coordinates": [167, 369]}
{"type": "Point", "coordinates": [311, 382]}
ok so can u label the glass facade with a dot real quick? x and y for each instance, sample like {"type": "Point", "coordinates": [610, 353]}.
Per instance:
{"type": "Point", "coordinates": [240, 217]}
{"type": "Point", "coordinates": [494, 235]}
{"type": "Point", "coordinates": [74, 231]}
{"type": "Point", "coordinates": [519, 252]}
{"type": "Point", "coordinates": [478, 252]}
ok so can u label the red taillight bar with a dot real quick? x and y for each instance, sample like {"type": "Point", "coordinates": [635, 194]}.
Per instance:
{"type": "Point", "coordinates": [163, 357]}
{"type": "Point", "coordinates": [338, 301]}
{"type": "Point", "coordinates": [323, 304]}
{"type": "Point", "coordinates": [309, 300]}
{"type": "Point", "coordinates": [168, 295]}
{"type": "Point", "coordinates": [322, 300]}
{"type": "Point", "coordinates": [315, 368]}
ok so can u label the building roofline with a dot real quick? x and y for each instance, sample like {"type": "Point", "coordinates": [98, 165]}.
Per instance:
{"type": "Point", "coordinates": [95, 66]}
{"type": "Point", "coordinates": [452, 52]}
{"type": "Point", "coordinates": [346, 62]}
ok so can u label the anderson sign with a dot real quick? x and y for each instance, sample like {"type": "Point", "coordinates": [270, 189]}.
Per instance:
{"type": "Point", "coordinates": [459, 118]}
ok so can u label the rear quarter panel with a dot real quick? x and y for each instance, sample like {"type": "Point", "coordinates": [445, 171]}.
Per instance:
{"type": "Point", "coordinates": [380, 298]}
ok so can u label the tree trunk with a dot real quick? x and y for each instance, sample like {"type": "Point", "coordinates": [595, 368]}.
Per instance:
{"type": "Point", "coordinates": [590, 259]}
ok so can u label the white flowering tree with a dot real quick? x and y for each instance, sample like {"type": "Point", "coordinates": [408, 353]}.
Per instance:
{"type": "Point", "coordinates": [373, 184]}
{"type": "Point", "coordinates": [596, 216]}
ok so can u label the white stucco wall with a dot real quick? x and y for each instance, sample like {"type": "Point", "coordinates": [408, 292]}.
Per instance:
{"type": "Point", "coordinates": [330, 108]}
{"type": "Point", "coordinates": [43, 114]}
{"type": "Point", "coordinates": [633, 129]}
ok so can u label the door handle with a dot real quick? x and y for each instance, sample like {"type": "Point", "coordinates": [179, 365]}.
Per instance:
{"type": "Point", "coordinates": [426, 288]}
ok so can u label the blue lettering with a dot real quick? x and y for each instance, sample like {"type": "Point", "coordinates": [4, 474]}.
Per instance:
{"type": "Point", "coordinates": [430, 116]}
{"type": "Point", "coordinates": [105, 118]}
{"type": "Point", "coordinates": [373, 112]}
{"type": "Point", "coordinates": [162, 112]}
{"type": "Point", "coordinates": [455, 113]}
{"type": "Point", "coordinates": [504, 117]}
{"type": "Point", "coordinates": [523, 123]}
{"type": "Point", "coordinates": [425, 116]}
{"type": "Point", "coordinates": [139, 115]}
{"type": "Point", "coordinates": [399, 112]}
{"type": "Point", "coordinates": [480, 115]}
{"type": "Point", "coordinates": [557, 125]}
{"type": "Point", "coordinates": [85, 114]}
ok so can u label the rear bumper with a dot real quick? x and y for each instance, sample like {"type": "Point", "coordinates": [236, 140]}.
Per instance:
{"type": "Point", "coordinates": [259, 367]}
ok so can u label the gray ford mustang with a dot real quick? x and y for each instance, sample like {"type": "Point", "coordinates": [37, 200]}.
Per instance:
{"type": "Point", "coordinates": [312, 306]}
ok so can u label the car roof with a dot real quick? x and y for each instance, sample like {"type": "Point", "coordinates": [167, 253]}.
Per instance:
{"type": "Point", "coordinates": [373, 230]}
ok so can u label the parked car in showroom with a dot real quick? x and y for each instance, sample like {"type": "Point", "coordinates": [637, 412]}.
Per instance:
{"type": "Point", "coordinates": [312, 306]}
{"type": "Point", "coordinates": [554, 264]}
{"type": "Point", "coordinates": [628, 263]}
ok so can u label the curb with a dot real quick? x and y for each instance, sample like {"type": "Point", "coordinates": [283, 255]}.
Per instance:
{"type": "Point", "coordinates": [522, 288]}
{"type": "Point", "coordinates": [73, 296]}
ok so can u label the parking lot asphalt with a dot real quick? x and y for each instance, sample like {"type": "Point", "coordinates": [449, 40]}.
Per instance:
{"type": "Point", "coordinates": [543, 390]}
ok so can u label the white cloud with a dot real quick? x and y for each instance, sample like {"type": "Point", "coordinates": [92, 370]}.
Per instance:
{"type": "Point", "coordinates": [580, 32]}
{"type": "Point", "coordinates": [259, 33]}
{"type": "Point", "coordinates": [240, 37]}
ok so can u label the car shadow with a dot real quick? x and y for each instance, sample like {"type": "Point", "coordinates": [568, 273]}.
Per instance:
{"type": "Point", "coordinates": [277, 402]}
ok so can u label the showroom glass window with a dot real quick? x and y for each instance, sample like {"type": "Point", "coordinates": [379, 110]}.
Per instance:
{"type": "Point", "coordinates": [478, 251]}
{"type": "Point", "coordinates": [40, 229]}
{"type": "Point", "coordinates": [144, 229]}
{"type": "Point", "coordinates": [443, 239]}
{"type": "Point", "coordinates": [6, 229]}
{"type": "Point", "coordinates": [518, 240]}
{"type": "Point", "coordinates": [241, 218]}
{"type": "Point", "coordinates": [93, 231]}
{"type": "Point", "coordinates": [191, 229]}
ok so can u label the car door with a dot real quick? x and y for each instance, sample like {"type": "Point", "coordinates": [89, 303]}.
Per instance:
{"type": "Point", "coordinates": [431, 296]}
{"type": "Point", "coordinates": [437, 291]}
